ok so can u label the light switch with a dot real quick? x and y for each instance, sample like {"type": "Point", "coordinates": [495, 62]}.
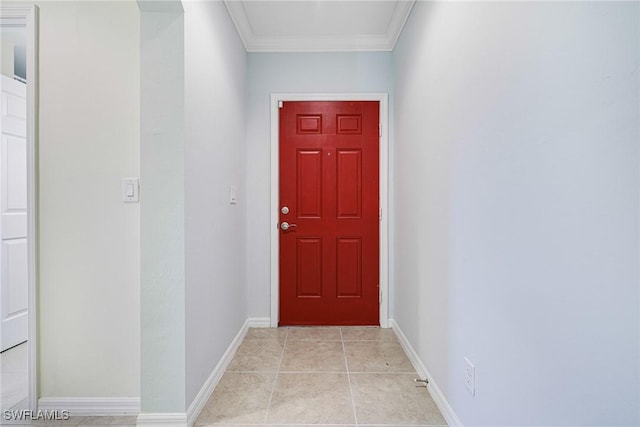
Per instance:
{"type": "Point", "coordinates": [130, 190]}
{"type": "Point", "coordinates": [233, 195]}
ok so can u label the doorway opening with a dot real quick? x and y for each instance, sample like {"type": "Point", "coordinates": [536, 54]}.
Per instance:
{"type": "Point", "coordinates": [382, 192]}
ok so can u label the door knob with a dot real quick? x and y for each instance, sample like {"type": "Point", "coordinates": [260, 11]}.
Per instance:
{"type": "Point", "coordinates": [285, 226]}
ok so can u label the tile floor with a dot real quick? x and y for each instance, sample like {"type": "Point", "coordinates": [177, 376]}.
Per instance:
{"type": "Point", "coordinates": [349, 376]}
{"type": "Point", "coordinates": [302, 377]}
{"type": "Point", "coordinates": [14, 377]}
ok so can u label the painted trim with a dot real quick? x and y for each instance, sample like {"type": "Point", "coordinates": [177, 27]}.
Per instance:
{"type": "Point", "coordinates": [28, 16]}
{"type": "Point", "coordinates": [259, 322]}
{"type": "Point", "coordinates": [435, 392]}
{"type": "Point", "coordinates": [399, 18]}
{"type": "Point", "coordinates": [161, 6]}
{"type": "Point", "coordinates": [92, 406]}
{"type": "Point", "coordinates": [214, 378]}
{"type": "Point", "coordinates": [188, 419]}
{"type": "Point", "coordinates": [257, 43]}
{"type": "Point", "coordinates": [162, 419]}
{"type": "Point", "coordinates": [383, 99]}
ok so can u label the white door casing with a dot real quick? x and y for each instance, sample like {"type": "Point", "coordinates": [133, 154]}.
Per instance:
{"type": "Point", "coordinates": [14, 266]}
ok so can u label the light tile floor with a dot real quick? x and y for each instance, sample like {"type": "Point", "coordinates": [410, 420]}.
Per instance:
{"type": "Point", "coordinates": [329, 376]}
{"type": "Point", "coordinates": [14, 377]}
{"type": "Point", "coordinates": [303, 377]}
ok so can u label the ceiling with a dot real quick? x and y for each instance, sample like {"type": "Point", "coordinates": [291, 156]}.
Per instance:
{"type": "Point", "coordinates": [319, 25]}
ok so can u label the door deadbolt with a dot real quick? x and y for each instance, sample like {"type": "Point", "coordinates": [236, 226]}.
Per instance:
{"type": "Point", "coordinates": [284, 210]}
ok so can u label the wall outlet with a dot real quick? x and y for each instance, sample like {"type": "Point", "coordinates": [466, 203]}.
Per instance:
{"type": "Point", "coordinates": [470, 376]}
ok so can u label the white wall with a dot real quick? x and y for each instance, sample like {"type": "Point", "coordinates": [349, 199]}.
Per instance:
{"type": "Point", "coordinates": [89, 315]}
{"type": "Point", "coordinates": [290, 73]}
{"type": "Point", "coordinates": [215, 159]}
{"type": "Point", "coordinates": [516, 208]}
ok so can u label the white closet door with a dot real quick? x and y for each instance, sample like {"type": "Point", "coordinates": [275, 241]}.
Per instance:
{"type": "Point", "coordinates": [13, 215]}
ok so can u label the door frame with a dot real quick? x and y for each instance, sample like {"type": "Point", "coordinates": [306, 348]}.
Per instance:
{"type": "Point", "coordinates": [383, 100]}
{"type": "Point", "coordinates": [26, 15]}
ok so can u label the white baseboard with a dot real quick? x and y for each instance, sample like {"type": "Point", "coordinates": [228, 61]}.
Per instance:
{"type": "Point", "coordinates": [446, 409]}
{"type": "Point", "coordinates": [207, 389]}
{"type": "Point", "coordinates": [162, 419]}
{"type": "Point", "coordinates": [189, 418]}
{"type": "Point", "coordinates": [92, 406]}
{"type": "Point", "coordinates": [265, 322]}
{"type": "Point", "coordinates": [259, 322]}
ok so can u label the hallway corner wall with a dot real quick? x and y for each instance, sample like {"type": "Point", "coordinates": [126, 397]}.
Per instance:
{"type": "Point", "coordinates": [162, 146]}
{"type": "Point", "coordinates": [215, 160]}
{"type": "Point", "coordinates": [516, 207]}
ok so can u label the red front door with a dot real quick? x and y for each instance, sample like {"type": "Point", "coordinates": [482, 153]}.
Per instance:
{"type": "Point", "coordinates": [329, 174]}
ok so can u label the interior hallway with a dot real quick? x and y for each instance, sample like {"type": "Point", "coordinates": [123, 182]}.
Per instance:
{"type": "Point", "coordinates": [513, 203]}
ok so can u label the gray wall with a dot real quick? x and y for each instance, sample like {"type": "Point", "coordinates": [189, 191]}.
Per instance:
{"type": "Point", "coordinates": [516, 183]}
{"type": "Point", "coordinates": [291, 73]}
{"type": "Point", "coordinates": [193, 150]}
{"type": "Point", "coordinates": [162, 215]}
{"type": "Point", "coordinates": [215, 159]}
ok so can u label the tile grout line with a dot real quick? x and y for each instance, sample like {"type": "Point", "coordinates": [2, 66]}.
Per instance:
{"type": "Point", "coordinates": [275, 380]}
{"type": "Point", "coordinates": [346, 363]}
{"type": "Point", "coordinates": [325, 372]}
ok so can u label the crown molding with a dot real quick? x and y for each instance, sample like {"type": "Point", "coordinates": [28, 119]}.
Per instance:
{"type": "Point", "coordinates": [253, 43]}
{"type": "Point", "coordinates": [398, 19]}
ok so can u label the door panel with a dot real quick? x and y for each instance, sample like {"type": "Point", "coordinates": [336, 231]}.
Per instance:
{"type": "Point", "coordinates": [349, 183]}
{"type": "Point", "coordinates": [349, 123]}
{"type": "Point", "coordinates": [349, 268]}
{"type": "Point", "coordinates": [309, 267]}
{"type": "Point", "coordinates": [14, 107]}
{"type": "Point", "coordinates": [309, 190]}
{"type": "Point", "coordinates": [329, 181]}
{"type": "Point", "coordinates": [14, 176]}
{"type": "Point", "coordinates": [13, 215]}
{"type": "Point", "coordinates": [14, 257]}
{"type": "Point", "coordinates": [14, 226]}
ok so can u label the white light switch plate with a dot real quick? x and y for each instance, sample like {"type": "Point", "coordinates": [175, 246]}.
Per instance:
{"type": "Point", "coordinates": [130, 190]}
{"type": "Point", "coordinates": [233, 195]}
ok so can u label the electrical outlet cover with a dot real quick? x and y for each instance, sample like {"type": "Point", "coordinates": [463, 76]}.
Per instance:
{"type": "Point", "coordinates": [470, 376]}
